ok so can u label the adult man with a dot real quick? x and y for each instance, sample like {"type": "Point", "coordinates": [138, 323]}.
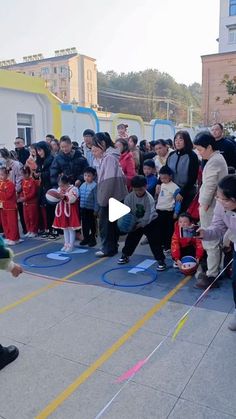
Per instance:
{"type": "Point", "coordinates": [21, 151]}
{"type": "Point", "coordinates": [225, 146]}
{"type": "Point", "coordinates": [49, 138]}
{"type": "Point", "coordinates": [9, 353]}
{"type": "Point", "coordinates": [69, 162]}
{"type": "Point", "coordinates": [88, 135]}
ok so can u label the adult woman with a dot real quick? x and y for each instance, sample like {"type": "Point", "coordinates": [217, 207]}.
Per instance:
{"type": "Point", "coordinates": [224, 218]}
{"type": "Point", "coordinates": [111, 184]}
{"type": "Point", "coordinates": [137, 154]}
{"type": "Point", "coordinates": [31, 162]}
{"type": "Point", "coordinates": [185, 165]}
{"type": "Point", "coordinates": [162, 152]}
{"type": "Point", "coordinates": [126, 160]}
{"type": "Point", "coordinates": [214, 170]}
{"type": "Point", "coordinates": [45, 160]}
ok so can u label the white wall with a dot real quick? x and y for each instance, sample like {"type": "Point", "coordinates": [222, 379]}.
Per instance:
{"type": "Point", "coordinates": [13, 102]}
{"type": "Point", "coordinates": [74, 123]}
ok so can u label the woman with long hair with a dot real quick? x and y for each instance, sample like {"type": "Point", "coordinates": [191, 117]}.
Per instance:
{"type": "Point", "coordinates": [111, 184]}
{"type": "Point", "coordinates": [184, 164]}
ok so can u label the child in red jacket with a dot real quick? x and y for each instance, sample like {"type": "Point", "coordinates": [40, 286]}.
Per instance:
{"type": "Point", "coordinates": [29, 197]}
{"type": "Point", "coordinates": [8, 208]}
{"type": "Point", "coordinates": [185, 246]}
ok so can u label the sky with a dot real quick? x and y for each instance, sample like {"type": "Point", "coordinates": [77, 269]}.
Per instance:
{"type": "Point", "coordinates": [123, 35]}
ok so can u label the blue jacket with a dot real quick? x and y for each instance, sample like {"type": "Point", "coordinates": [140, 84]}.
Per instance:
{"type": "Point", "coordinates": [88, 196]}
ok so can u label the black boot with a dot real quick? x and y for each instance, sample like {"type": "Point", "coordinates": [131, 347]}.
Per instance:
{"type": "Point", "coordinates": [7, 355]}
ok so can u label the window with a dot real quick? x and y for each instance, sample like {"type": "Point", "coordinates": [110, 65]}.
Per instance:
{"type": "Point", "coordinates": [25, 127]}
{"type": "Point", "coordinates": [55, 70]}
{"type": "Point", "coordinates": [63, 94]}
{"type": "Point", "coordinates": [63, 82]}
{"type": "Point", "coordinates": [64, 70]}
{"type": "Point", "coordinates": [44, 71]}
{"type": "Point", "coordinates": [232, 7]}
{"type": "Point", "coordinates": [232, 35]}
{"type": "Point", "coordinates": [89, 75]}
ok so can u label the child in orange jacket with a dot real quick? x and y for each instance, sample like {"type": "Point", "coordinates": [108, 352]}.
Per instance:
{"type": "Point", "coordinates": [185, 246]}
{"type": "Point", "coordinates": [29, 197]}
{"type": "Point", "coordinates": [8, 208]}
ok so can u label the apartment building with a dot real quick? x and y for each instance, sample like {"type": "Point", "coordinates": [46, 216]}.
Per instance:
{"type": "Point", "coordinates": [70, 76]}
{"type": "Point", "coordinates": [215, 66]}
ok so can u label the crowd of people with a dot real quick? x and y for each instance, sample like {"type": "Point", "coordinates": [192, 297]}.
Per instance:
{"type": "Point", "coordinates": [168, 185]}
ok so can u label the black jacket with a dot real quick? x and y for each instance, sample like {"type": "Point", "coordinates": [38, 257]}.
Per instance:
{"type": "Point", "coordinates": [43, 168]}
{"type": "Point", "coordinates": [72, 164]}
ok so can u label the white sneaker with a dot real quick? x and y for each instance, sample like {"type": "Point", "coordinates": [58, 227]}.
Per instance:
{"type": "Point", "coordinates": [32, 235]}
{"type": "Point", "coordinates": [175, 265]}
{"type": "Point", "coordinates": [232, 323]}
{"type": "Point", "coordinates": [27, 234]}
{"type": "Point", "coordinates": [12, 242]}
{"type": "Point", "coordinates": [63, 249]}
{"type": "Point", "coordinates": [69, 248]}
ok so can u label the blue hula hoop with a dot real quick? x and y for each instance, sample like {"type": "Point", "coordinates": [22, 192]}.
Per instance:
{"type": "Point", "coordinates": [152, 273]}
{"type": "Point", "coordinates": [32, 265]}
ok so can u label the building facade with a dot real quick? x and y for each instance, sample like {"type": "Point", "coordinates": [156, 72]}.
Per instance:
{"type": "Point", "coordinates": [227, 26]}
{"type": "Point", "coordinates": [216, 66]}
{"type": "Point", "coordinates": [72, 77]}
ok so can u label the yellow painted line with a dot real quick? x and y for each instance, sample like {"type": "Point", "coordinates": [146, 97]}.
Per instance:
{"type": "Point", "coordinates": [51, 407]}
{"type": "Point", "coordinates": [32, 248]}
{"type": "Point", "coordinates": [48, 287]}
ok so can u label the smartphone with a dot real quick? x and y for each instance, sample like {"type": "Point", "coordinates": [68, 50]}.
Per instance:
{"type": "Point", "coordinates": [189, 232]}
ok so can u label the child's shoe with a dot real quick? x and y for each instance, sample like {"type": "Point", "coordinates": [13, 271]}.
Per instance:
{"type": "Point", "coordinates": [161, 266]}
{"type": "Point", "coordinates": [123, 259]}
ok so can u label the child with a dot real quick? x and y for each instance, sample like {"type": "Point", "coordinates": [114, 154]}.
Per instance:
{"type": "Point", "coordinates": [29, 197]}
{"type": "Point", "coordinates": [167, 207]}
{"type": "Point", "coordinates": [8, 208]}
{"type": "Point", "coordinates": [185, 246]}
{"type": "Point", "coordinates": [149, 172]}
{"type": "Point", "coordinates": [67, 213]}
{"type": "Point", "coordinates": [88, 207]}
{"type": "Point", "coordinates": [8, 353]}
{"type": "Point", "coordinates": [142, 206]}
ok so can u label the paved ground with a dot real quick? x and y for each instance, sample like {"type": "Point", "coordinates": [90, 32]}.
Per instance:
{"type": "Point", "coordinates": [78, 335]}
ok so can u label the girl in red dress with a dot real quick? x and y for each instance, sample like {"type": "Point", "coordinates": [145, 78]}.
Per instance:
{"type": "Point", "coordinates": [8, 208]}
{"type": "Point", "coordinates": [29, 197]}
{"type": "Point", "coordinates": [67, 213]}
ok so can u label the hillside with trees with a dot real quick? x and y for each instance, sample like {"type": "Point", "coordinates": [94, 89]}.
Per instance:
{"type": "Point", "coordinates": [150, 94]}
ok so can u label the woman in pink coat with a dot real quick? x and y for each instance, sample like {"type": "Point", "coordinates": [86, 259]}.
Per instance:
{"type": "Point", "coordinates": [126, 160]}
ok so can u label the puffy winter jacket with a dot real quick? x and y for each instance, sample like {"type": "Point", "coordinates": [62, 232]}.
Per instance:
{"type": "Point", "coordinates": [179, 242]}
{"type": "Point", "coordinates": [72, 164]}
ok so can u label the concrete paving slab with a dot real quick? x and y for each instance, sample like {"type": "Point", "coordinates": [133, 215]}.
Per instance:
{"type": "Point", "coordinates": [213, 383]}
{"type": "Point", "coordinates": [79, 337]}
{"type": "Point", "coordinates": [135, 401]}
{"type": "Point", "coordinates": [50, 308]}
{"type": "Point", "coordinates": [186, 409]}
{"type": "Point", "coordinates": [201, 326]}
{"type": "Point", "coordinates": [171, 367]}
{"type": "Point", "coordinates": [32, 381]}
{"type": "Point", "coordinates": [138, 347]}
{"type": "Point", "coordinates": [15, 288]}
{"type": "Point", "coordinates": [120, 307]}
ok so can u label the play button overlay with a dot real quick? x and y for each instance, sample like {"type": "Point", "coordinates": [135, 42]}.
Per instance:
{"type": "Point", "coordinates": [116, 210]}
